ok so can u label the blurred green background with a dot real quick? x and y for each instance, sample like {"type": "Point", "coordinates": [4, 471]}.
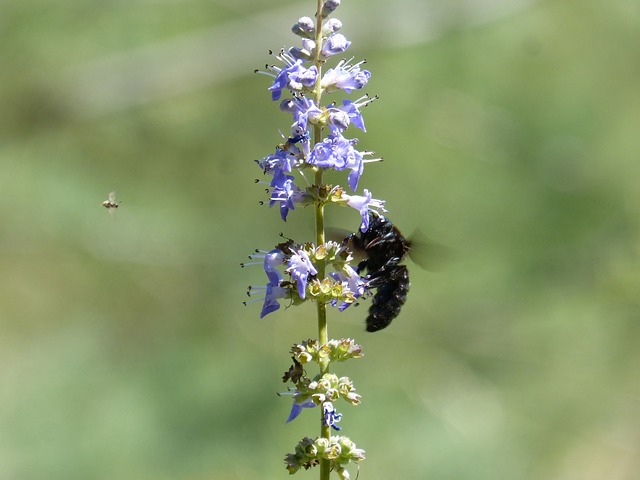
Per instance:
{"type": "Point", "coordinates": [510, 133]}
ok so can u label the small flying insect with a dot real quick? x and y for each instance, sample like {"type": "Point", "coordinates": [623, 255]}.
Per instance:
{"type": "Point", "coordinates": [111, 203]}
{"type": "Point", "coordinates": [384, 247]}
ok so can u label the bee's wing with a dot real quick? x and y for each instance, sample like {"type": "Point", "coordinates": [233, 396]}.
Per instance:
{"type": "Point", "coordinates": [112, 197]}
{"type": "Point", "coordinates": [429, 254]}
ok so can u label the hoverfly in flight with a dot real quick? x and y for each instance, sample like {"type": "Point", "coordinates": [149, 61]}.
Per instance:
{"type": "Point", "coordinates": [111, 203]}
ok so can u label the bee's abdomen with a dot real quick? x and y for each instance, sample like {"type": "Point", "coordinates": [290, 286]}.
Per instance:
{"type": "Point", "coordinates": [392, 288]}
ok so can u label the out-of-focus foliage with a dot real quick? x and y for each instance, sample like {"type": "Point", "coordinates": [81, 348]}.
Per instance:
{"type": "Point", "coordinates": [125, 351]}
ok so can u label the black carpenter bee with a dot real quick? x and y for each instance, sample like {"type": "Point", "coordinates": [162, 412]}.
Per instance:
{"type": "Point", "coordinates": [384, 248]}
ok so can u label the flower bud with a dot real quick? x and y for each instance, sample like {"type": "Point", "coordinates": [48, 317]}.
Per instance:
{"type": "Point", "coordinates": [324, 384]}
{"type": "Point", "coordinates": [332, 452]}
{"type": "Point", "coordinates": [331, 26]}
{"type": "Point", "coordinates": [316, 117]}
{"type": "Point", "coordinates": [332, 395]}
{"type": "Point", "coordinates": [329, 6]}
{"type": "Point", "coordinates": [305, 28]}
{"type": "Point", "coordinates": [322, 444]}
{"type": "Point", "coordinates": [319, 398]}
{"type": "Point", "coordinates": [338, 120]}
{"type": "Point", "coordinates": [353, 398]}
{"type": "Point", "coordinates": [305, 357]}
{"type": "Point", "coordinates": [288, 105]}
{"type": "Point", "coordinates": [310, 449]}
{"type": "Point", "coordinates": [335, 44]}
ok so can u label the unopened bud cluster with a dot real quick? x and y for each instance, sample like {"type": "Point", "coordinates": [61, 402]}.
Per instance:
{"type": "Point", "coordinates": [333, 351]}
{"type": "Point", "coordinates": [322, 390]}
{"type": "Point", "coordinates": [339, 450]}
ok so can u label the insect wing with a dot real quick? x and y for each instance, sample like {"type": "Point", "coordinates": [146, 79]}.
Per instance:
{"type": "Point", "coordinates": [111, 203]}
{"type": "Point", "coordinates": [429, 254]}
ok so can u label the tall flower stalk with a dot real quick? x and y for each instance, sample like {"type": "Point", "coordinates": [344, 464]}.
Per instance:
{"type": "Point", "coordinates": [321, 271]}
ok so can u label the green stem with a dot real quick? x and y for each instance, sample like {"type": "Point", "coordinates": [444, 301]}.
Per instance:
{"type": "Point", "coordinates": [323, 333]}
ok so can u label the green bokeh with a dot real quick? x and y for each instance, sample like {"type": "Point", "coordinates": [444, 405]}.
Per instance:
{"type": "Point", "coordinates": [125, 351]}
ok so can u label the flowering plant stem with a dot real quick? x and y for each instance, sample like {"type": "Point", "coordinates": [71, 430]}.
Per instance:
{"type": "Point", "coordinates": [322, 271]}
{"type": "Point", "coordinates": [323, 331]}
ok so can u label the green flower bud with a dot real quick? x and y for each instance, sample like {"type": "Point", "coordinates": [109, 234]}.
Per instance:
{"type": "Point", "coordinates": [344, 349]}
{"type": "Point", "coordinates": [322, 444]}
{"type": "Point", "coordinates": [353, 398]}
{"type": "Point", "coordinates": [323, 385]}
{"type": "Point", "coordinates": [318, 398]}
{"type": "Point", "coordinates": [332, 395]}
{"type": "Point", "coordinates": [349, 451]}
{"type": "Point", "coordinates": [331, 379]}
